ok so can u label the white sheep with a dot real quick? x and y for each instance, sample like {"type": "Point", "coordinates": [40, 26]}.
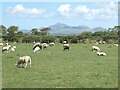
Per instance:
{"type": "Point", "coordinates": [6, 44]}
{"type": "Point", "coordinates": [6, 48]}
{"type": "Point", "coordinates": [1, 44]}
{"type": "Point", "coordinates": [95, 48]}
{"type": "Point", "coordinates": [64, 42]}
{"type": "Point", "coordinates": [13, 48]}
{"type": "Point", "coordinates": [36, 44]}
{"type": "Point", "coordinates": [103, 42]}
{"type": "Point", "coordinates": [23, 61]}
{"type": "Point", "coordinates": [96, 43]}
{"type": "Point", "coordinates": [101, 53]}
{"type": "Point", "coordinates": [52, 43]}
{"type": "Point", "coordinates": [116, 45]}
{"type": "Point", "coordinates": [36, 49]}
{"type": "Point", "coordinates": [65, 46]}
{"type": "Point", "coordinates": [45, 45]}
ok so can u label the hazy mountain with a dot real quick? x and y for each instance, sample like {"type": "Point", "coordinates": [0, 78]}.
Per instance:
{"type": "Point", "coordinates": [98, 29]}
{"type": "Point", "coordinates": [63, 29]}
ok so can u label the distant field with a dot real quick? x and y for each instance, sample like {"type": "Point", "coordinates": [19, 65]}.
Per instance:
{"type": "Point", "coordinates": [51, 68]}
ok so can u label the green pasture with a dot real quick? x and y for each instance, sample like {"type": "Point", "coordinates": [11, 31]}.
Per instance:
{"type": "Point", "coordinates": [54, 68]}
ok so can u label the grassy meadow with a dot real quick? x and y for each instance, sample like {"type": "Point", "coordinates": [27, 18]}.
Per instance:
{"type": "Point", "coordinates": [54, 68]}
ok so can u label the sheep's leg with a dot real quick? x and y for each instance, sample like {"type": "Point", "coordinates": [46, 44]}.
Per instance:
{"type": "Point", "coordinates": [30, 63]}
{"type": "Point", "coordinates": [25, 65]}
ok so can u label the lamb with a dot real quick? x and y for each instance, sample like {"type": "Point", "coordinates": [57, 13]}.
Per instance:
{"type": "Point", "coordinates": [23, 61]}
{"type": "Point", "coordinates": [65, 46]}
{"type": "Point", "coordinates": [101, 53]}
{"type": "Point", "coordinates": [95, 48]}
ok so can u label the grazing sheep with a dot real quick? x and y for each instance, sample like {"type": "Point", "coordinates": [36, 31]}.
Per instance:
{"type": "Point", "coordinates": [45, 45]}
{"type": "Point", "coordinates": [103, 42]}
{"type": "Point", "coordinates": [52, 43]}
{"type": "Point", "coordinates": [64, 42]}
{"type": "Point", "coordinates": [65, 46]}
{"type": "Point", "coordinates": [95, 48]}
{"type": "Point", "coordinates": [6, 44]}
{"type": "Point", "coordinates": [37, 45]}
{"type": "Point", "coordinates": [96, 43]}
{"type": "Point", "coordinates": [34, 42]}
{"type": "Point", "coordinates": [23, 61]}
{"type": "Point", "coordinates": [116, 45]}
{"type": "Point", "coordinates": [6, 48]}
{"type": "Point", "coordinates": [13, 48]}
{"type": "Point", "coordinates": [36, 49]}
{"type": "Point", "coordinates": [1, 44]}
{"type": "Point", "coordinates": [100, 42]}
{"type": "Point", "coordinates": [101, 53]}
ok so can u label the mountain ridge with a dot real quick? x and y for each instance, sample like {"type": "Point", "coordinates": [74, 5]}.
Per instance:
{"type": "Point", "coordinates": [64, 29]}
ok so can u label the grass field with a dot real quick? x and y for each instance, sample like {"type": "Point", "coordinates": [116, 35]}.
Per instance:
{"type": "Point", "coordinates": [51, 68]}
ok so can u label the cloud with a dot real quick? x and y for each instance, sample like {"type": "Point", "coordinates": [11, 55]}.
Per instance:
{"type": "Point", "coordinates": [65, 10]}
{"type": "Point", "coordinates": [21, 11]}
{"type": "Point", "coordinates": [102, 11]}
{"type": "Point", "coordinates": [81, 9]}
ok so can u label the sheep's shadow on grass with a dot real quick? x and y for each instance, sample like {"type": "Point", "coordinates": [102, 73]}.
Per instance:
{"type": "Point", "coordinates": [10, 57]}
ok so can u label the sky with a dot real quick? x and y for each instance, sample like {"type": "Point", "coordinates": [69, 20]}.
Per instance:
{"type": "Point", "coordinates": [28, 15]}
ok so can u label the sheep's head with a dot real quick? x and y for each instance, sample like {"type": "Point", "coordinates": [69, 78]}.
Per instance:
{"type": "Point", "coordinates": [19, 62]}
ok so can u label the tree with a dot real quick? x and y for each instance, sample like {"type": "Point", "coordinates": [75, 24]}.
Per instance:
{"type": "Point", "coordinates": [86, 34]}
{"type": "Point", "coordinates": [34, 31]}
{"type": "Point", "coordinates": [12, 30]}
{"type": "Point", "coordinates": [44, 31]}
{"type": "Point", "coordinates": [3, 30]}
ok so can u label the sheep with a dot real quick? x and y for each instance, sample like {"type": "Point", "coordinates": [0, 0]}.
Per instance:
{"type": "Point", "coordinates": [65, 46]}
{"type": "Point", "coordinates": [45, 45]}
{"type": "Point", "coordinates": [101, 53]}
{"type": "Point", "coordinates": [36, 44]}
{"type": "Point", "coordinates": [1, 44]}
{"type": "Point", "coordinates": [37, 47]}
{"type": "Point", "coordinates": [116, 45]}
{"type": "Point", "coordinates": [64, 42]}
{"type": "Point", "coordinates": [6, 44]}
{"type": "Point", "coordinates": [96, 43]}
{"type": "Point", "coordinates": [95, 48]}
{"type": "Point", "coordinates": [52, 43]}
{"type": "Point", "coordinates": [6, 48]}
{"type": "Point", "coordinates": [103, 42]}
{"type": "Point", "coordinates": [13, 48]}
{"type": "Point", "coordinates": [23, 61]}
{"type": "Point", "coordinates": [100, 42]}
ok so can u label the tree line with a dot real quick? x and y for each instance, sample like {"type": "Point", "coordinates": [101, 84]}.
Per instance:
{"type": "Point", "coordinates": [13, 34]}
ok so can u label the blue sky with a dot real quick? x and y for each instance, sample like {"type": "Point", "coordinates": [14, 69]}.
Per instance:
{"type": "Point", "coordinates": [28, 15]}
